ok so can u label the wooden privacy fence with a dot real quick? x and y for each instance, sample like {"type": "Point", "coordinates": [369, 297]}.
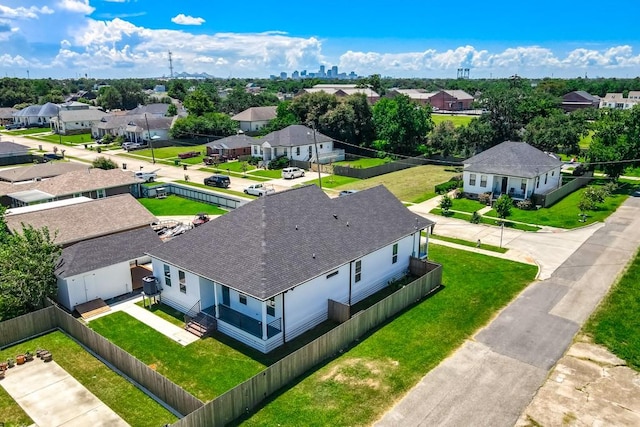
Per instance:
{"type": "Point", "coordinates": [546, 200]}
{"type": "Point", "coordinates": [50, 318]}
{"type": "Point", "coordinates": [249, 394]}
{"type": "Point", "coordinates": [192, 193]}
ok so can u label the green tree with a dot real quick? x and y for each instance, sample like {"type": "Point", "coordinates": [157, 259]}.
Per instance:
{"type": "Point", "coordinates": [104, 163]}
{"type": "Point", "coordinates": [403, 124]}
{"type": "Point", "coordinates": [198, 103]}
{"type": "Point", "coordinates": [556, 132]}
{"type": "Point", "coordinates": [177, 90]}
{"type": "Point", "coordinates": [172, 110]}
{"type": "Point", "coordinates": [27, 264]}
{"type": "Point", "coordinates": [503, 206]}
{"type": "Point", "coordinates": [475, 137]}
{"type": "Point", "coordinates": [109, 98]}
{"type": "Point", "coordinates": [444, 139]}
{"type": "Point", "coordinates": [446, 203]}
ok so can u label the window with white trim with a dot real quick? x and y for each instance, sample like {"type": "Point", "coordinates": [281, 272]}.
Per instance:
{"type": "Point", "coordinates": [182, 278]}
{"type": "Point", "coordinates": [394, 258]}
{"type": "Point", "coordinates": [483, 180]}
{"type": "Point", "coordinates": [271, 306]}
{"type": "Point", "coordinates": [101, 193]}
{"type": "Point", "coordinates": [472, 179]}
{"type": "Point", "coordinates": [167, 275]}
{"type": "Point", "coordinates": [242, 298]}
{"type": "Point", "coordinates": [358, 276]}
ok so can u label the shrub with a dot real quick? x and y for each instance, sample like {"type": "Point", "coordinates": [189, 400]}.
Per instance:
{"type": "Point", "coordinates": [525, 205]}
{"type": "Point", "coordinates": [279, 162]}
{"type": "Point", "coordinates": [475, 217]}
{"type": "Point", "coordinates": [445, 204]}
{"type": "Point", "coordinates": [108, 138]}
{"type": "Point", "coordinates": [253, 160]}
{"type": "Point", "coordinates": [445, 187]}
{"type": "Point", "coordinates": [485, 198]}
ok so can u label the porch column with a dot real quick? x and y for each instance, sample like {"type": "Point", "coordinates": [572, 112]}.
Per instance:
{"type": "Point", "coordinates": [264, 320]}
{"type": "Point", "coordinates": [215, 300]}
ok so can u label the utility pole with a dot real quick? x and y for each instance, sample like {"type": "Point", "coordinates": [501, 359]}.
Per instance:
{"type": "Point", "coordinates": [315, 142]}
{"type": "Point", "coordinates": [153, 157]}
{"type": "Point", "coordinates": [170, 66]}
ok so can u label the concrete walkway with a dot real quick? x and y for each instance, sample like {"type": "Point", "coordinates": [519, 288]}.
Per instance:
{"type": "Point", "coordinates": [145, 316]}
{"type": "Point", "coordinates": [492, 377]}
{"type": "Point", "coordinates": [51, 397]}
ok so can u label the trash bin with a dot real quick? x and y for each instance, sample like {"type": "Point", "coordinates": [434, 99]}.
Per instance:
{"type": "Point", "coordinates": [86, 146]}
{"type": "Point", "coordinates": [176, 162]}
{"type": "Point", "coordinates": [184, 167]}
{"type": "Point", "coordinates": [124, 166]}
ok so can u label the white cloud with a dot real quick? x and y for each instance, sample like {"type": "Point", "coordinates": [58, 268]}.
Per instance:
{"type": "Point", "coordinates": [79, 6]}
{"type": "Point", "coordinates": [182, 19]}
{"type": "Point", "coordinates": [32, 12]}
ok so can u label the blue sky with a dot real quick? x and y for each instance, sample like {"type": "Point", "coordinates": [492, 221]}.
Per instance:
{"type": "Point", "coordinates": [131, 38]}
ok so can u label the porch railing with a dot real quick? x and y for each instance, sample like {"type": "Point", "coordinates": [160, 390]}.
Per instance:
{"type": "Point", "coordinates": [248, 324]}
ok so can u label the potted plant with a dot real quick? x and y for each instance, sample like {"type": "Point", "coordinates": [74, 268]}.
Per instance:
{"type": "Point", "coordinates": [10, 362]}
{"type": "Point", "coordinates": [28, 356]}
{"type": "Point", "coordinates": [20, 359]}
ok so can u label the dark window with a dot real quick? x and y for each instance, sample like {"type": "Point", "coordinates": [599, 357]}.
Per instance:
{"type": "Point", "coordinates": [358, 271]}
{"type": "Point", "coordinates": [545, 178]}
{"type": "Point", "coordinates": [394, 259]}
{"type": "Point", "coordinates": [271, 307]}
{"type": "Point", "coordinates": [167, 275]}
{"type": "Point", "coordinates": [243, 299]}
{"type": "Point", "coordinates": [335, 273]}
{"type": "Point", "coordinates": [297, 151]}
{"type": "Point", "coordinates": [225, 296]}
{"type": "Point", "coordinates": [183, 281]}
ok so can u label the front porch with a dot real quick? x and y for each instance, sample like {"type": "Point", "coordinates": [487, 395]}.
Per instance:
{"type": "Point", "coordinates": [243, 322]}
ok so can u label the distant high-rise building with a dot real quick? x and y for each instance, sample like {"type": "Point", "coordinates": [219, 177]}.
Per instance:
{"type": "Point", "coordinates": [283, 75]}
{"type": "Point", "coordinates": [322, 73]}
{"type": "Point", "coordinates": [295, 75]}
{"type": "Point", "coordinates": [334, 71]}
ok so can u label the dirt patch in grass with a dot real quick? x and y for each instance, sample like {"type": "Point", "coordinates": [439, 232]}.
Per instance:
{"type": "Point", "coordinates": [359, 372]}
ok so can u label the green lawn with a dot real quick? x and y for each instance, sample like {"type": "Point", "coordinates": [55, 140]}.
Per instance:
{"type": "Point", "coordinates": [632, 171]}
{"type": "Point", "coordinates": [29, 131]}
{"type": "Point", "coordinates": [364, 162]}
{"type": "Point", "coordinates": [217, 189]}
{"type": "Point", "coordinates": [485, 220]}
{"type": "Point", "coordinates": [83, 138]}
{"type": "Point", "coordinates": [174, 205]}
{"type": "Point", "coordinates": [135, 407]}
{"type": "Point", "coordinates": [331, 181]}
{"type": "Point", "coordinates": [585, 141]}
{"type": "Point", "coordinates": [455, 119]}
{"type": "Point", "coordinates": [170, 152]}
{"type": "Point", "coordinates": [413, 185]}
{"type": "Point", "coordinates": [362, 383]}
{"type": "Point", "coordinates": [616, 322]}
{"type": "Point", "coordinates": [169, 314]}
{"type": "Point", "coordinates": [468, 243]}
{"type": "Point", "coordinates": [205, 368]}
{"type": "Point", "coordinates": [233, 166]}
{"type": "Point", "coordinates": [467, 205]}
{"type": "Point", "coordinates": [565, 213]}
{"type": "Point", "coordinates": [269, 173]}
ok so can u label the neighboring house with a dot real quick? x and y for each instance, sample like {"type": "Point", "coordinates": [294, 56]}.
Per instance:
{"type": "Point", "coordinates": [155, 110]}
{"type": "Point", "coordinates": [92, 183]}
{"type": "Point", "coordinates": [618, 102]}
{"type": "Point", "coordinates": [270, 276]}
{"type": "Point", "coordinates": [135, 128]}
{"type": "Point", "coordinates": [76, 120]}
{"type": "Point", "coordinates": [231, 146]}
{"type": "Point", "coordinates": [255, 118]}
{"type": "Point", "coordinates": [6, 115]}
{"type": "Point", "coordinates": [13, 154]}
{"type": "Point", "coordinates": [103, 241]}
{"type": "Point", "coordinates": [342, 90]}
{"type": "Point", "coordinates": [579, 99]}
{"type": "Point", "coordinates": [513, 168]}
{"type": "Point", "coordinates": [39, 171]}
{"type": "Point", "coordinates": [296, 142]}
{"type": "Point", "coordinates": [36, 115]}
{"type": "Point", "coordinates": [446, 100]}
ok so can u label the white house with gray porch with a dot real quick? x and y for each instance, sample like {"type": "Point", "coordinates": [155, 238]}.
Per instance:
{"type": "Point", "coordinates": [513, 168]}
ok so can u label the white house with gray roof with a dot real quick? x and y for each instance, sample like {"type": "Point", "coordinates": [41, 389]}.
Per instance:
{"type": "Point", "coordinates": [269, 276]}
{"type": "Point", "coordinates": [296, 142]}
{"type": "Point", "coordinates": [513, 168]}
{"type": "Point", "coordinates": [255, 118]}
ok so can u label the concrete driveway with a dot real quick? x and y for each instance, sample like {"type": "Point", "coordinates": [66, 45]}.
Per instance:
{"type": "Point", "coordinates": [492, 377]}
{"type": "Point", "coordinates": [51, 397]}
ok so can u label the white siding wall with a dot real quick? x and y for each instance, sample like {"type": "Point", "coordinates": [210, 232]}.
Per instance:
{"type": "Point", "coordinates": [105, 283]}
{"type": "Point", "coordinates": [306, 305]}
{"type": "Point", "coordinates": [553, 180]}
{"type": "Point", "coordinates": [171, 295]}
{"type": "Point", "coordinates": [477, 189]}
{"type": "Point", "coordinates": [207, 292]}
{"type": "Point", "coordinates": [253, 308]}
{"type": "Point", "coordinates": [327, 147]}
{"type": "Point", "coordinates": [378, 269]}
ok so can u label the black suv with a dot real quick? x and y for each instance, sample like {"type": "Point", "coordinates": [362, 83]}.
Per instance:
{"type": "Point", "coordinates": [218, 181]}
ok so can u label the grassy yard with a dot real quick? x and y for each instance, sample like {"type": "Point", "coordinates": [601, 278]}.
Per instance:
{"type": "Point", "coordinates": [170, 152]}
{"type": "Point", "coordinates": [83, 138]}
{"type": "Point", "coordinates": [467, 205]}
{"type": "Point", "coordinates": [565, 213]}
{"type": "Point", "coordinates": [332, 181]}
{"type": "Point", "coordinates": [174, 205]}
{"type": "Point", "coordinates": [455, 119]}
{"type": "Point", "coordinates": [585, 141]}
{"type": "Point", "coordinates": [29, 131]}
{"type": "Point", "coordinates": [135, 407]}
{"type": "Point", "coordinates": [469, 243]}
{"type": "Point", "coordinates": [217, 189]}
{"type": "Point", "coordinates": [413, 185]}
{"type": "Point", "coordinates": [486, 220]}
{"type": "Point", "coordinates": [167, 313]}
{"type": "Point", "coordinates": [616, 322]}
{"type": "Point", "coordinates": [205, 368]}
{"type": "Point", "coordinates": [364, 162]}
{"type": "Point", "coordinates": [361, 384]}
{"type": "Point", "coordinates": [233, 166]}
{"type": "Point", "coordinates": [268, 173]}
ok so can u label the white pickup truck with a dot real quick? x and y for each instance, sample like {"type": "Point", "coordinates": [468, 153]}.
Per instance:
{"type": "Point", "coordinates": [147, 176]}
{"type": "Point", "coordinates": [259, 190]}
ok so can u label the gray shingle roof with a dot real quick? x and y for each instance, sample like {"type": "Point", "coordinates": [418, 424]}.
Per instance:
{"type": "Point", "coordinates": [104, 251]}
{"type": "Point", "coordinates": [86, 220]}
{"type": "Point", "coordinates": [84, 180]}
{"type": "Point", "coordinates": [267, 246]}
{"type": "Point", "coordinates": [231, 142]}
{"type": "Point", "coordinates": [41, 170]}
{"type": "Point", "coordinates": [513, 159]}
{"type": "Point", "coordinates": [256, 114]}
{"type": "Point", "coordinates": [292, 136]}
{"type": "Point", "coordinates": [7, 147]}
{"type": "Point", "coordinates": [81, 115]}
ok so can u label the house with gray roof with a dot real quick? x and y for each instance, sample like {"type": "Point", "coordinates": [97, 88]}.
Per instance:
{"type": "Point", "coordinates": [6, 115]}
{"type": "Point", "coordinates": [231, 146]}
{"type": "Point", "coordinates": [255, 118]}
{"type": "Point", "coordinates": [513, 168]}
{"type": "Point", "coordinates": [134, 127]}
{"type": "Point", "coordinates": [74, 120]}
{"type": "Point", "coordinates": [270, 276]}
{"type": "Point", "coordinates": [36, 115]}
{"type": "Point", "coordinates": [579, 99]}
{"type": "Point", "coordinates": [39, 171]}
{"type": "Point", "coordinates": [297, 142]}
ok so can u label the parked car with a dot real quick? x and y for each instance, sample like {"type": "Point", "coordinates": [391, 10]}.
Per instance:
{"type": "Point", "coordinates": [347, 192]}
{"type": "Point", "coordinates": [12, 126]}
{"type": "Point", "coordinates": [147, 176]}
{"type": "Point", "coordinates": [222, 181]}
{"type": "Point", "coordinates": [200, 219]}
{"type": "Point", "coordinates": [259, 190]}
{"type": "Point", "coordinates": [290, 173]}
{"type": "Point", "coordinates": [129, 146]}
{"type": "Point", "coordinates": [51, 156]}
